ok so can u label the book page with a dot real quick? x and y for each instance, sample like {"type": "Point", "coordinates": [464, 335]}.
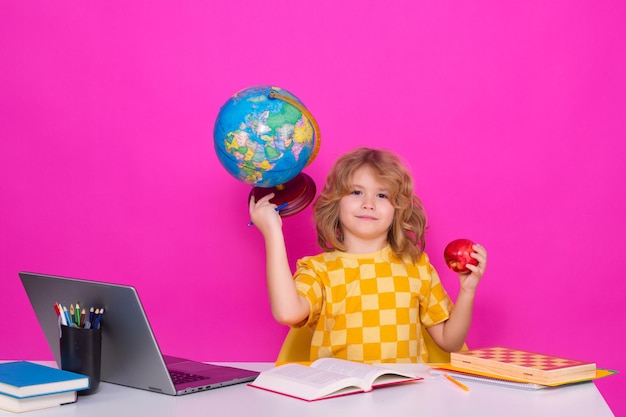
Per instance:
{"type": "Point", "coordinates": [371, 374]}
{"type": "Point", "coordinates": [308, 375]}
{"type": "Point", "coordinates": [305, 382]}
{"type": "Point", "coordinates": [347, 368]}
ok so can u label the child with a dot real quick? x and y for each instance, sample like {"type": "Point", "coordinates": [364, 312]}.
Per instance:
{"type": "Point", "coordinates": [368, 295]}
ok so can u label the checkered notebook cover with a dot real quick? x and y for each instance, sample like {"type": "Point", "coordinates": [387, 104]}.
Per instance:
{"type": "Point", "coordinates": [523, 366]}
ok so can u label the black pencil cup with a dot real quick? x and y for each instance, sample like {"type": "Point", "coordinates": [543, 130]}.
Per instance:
{"type": "Point", "coordinates": [81, 353]}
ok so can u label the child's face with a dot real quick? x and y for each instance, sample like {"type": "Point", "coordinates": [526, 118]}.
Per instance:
{"type": "Point", "coordinates": [366, 213]}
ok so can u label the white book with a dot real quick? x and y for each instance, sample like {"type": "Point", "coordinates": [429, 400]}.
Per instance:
{"type": "Point", "coordinates": [20, 405]}
{"type": "Point", "coordinates": [328, 377]}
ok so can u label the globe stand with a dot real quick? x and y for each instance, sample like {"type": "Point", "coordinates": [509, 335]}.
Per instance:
{"type": "Point", "coordinates": [297, 192]}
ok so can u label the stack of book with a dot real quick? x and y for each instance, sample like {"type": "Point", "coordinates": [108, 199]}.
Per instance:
{"type": "Point", "coordinates": [27, 386]}
{"type": "Point", "coordinates": [518, 368]}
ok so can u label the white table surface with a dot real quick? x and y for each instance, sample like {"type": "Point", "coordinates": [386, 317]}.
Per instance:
{"type": "Point", "coordinates": [434, 396]}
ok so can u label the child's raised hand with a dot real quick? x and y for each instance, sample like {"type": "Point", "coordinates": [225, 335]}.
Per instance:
{"type": "Point", "coordinates": [263, 213]}
{"type": "Point", "coordinates": [470, 281]}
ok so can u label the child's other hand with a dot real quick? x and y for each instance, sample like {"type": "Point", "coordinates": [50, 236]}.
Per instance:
{"type": "Point", "coordinates": [263, 213]}
{"type": "Point", "coordinates": [470, 281]}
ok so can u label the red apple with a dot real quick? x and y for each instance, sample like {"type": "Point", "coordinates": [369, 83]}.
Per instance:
{"type": "Point", "coordinates": [457, 254]}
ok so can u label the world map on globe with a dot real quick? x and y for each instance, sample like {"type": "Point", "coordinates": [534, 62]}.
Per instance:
{"type": "Point", "coordinates": [264, 137]}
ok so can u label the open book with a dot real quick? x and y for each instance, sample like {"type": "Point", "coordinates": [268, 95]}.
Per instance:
{"type": "Point", "coordinates": [327, 378]}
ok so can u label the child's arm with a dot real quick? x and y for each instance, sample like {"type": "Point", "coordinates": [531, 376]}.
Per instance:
{"type": "Point", "coordinates": [450, 335]}
{"type": "Point", "coordinates": [288, 307]}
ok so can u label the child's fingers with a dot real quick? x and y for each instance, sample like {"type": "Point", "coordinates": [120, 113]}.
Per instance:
{"type": "Point", "coordinates": [263, 200]}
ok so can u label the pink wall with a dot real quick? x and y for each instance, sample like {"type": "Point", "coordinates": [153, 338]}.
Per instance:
{"type": "Point", "coordinates": [511, 117]}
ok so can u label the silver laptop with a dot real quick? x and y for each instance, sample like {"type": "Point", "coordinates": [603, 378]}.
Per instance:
{"type": "Point", "coordinates": [130, 352]}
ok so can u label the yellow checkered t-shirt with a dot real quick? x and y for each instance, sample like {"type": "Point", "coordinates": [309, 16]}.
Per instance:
{"type": "Point", "coordinates": [370, 307]}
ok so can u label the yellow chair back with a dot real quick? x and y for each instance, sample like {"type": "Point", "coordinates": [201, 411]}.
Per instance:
{"type": "Point", "coordinates": [297, 344]}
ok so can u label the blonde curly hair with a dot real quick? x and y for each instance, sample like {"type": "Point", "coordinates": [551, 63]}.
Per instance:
{"type": "Point", "coordinates": [406, 234]}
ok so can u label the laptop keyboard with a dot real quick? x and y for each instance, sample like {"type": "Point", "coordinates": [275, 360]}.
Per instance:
{"type": "Point", "coordinates": [179, 377]}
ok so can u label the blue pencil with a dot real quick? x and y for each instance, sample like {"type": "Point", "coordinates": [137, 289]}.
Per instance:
{"type": "Point", "coordinates": [96, 325]}
{"type": "Point", "coordinates": [278, 208]}
{"type": "Point", "coordinates": [67, 316]}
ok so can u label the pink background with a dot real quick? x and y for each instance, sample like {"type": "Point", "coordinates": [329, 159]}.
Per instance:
{"type": "Point", "coordinates": [511, 116]}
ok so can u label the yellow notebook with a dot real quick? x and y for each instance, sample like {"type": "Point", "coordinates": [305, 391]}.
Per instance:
{"type": "Point", "coordinates": [441, 368]}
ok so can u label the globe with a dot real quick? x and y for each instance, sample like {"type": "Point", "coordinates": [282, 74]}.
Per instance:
{"type": "Point", "coordinates": [264, 136]}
